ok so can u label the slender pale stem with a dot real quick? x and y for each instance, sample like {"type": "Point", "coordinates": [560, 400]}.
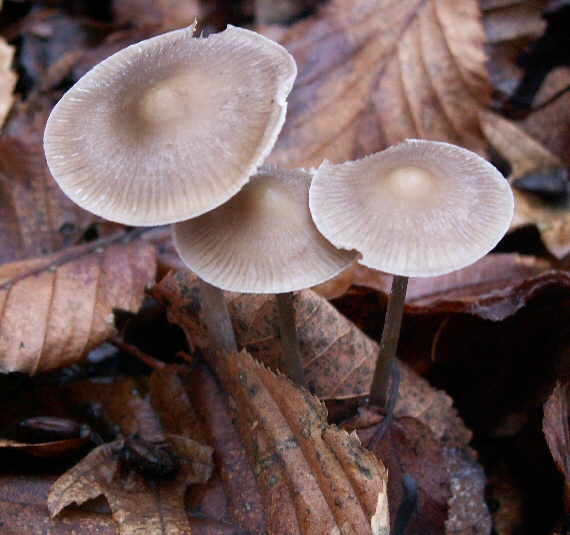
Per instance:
{"type": "Point", "coordinates": [389, 341]}
{"type": "Point", "coordinates": [217, 317]}
{"type": "Point", "coordinates": [289, 339]}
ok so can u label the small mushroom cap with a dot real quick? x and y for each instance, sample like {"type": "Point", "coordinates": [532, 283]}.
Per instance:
{"type": "Point", "coordinates": [171, 127]}
{"type": "Point", "coordinates": [418, 209]}
{"type": "Point", "coordinates": [263, 240]}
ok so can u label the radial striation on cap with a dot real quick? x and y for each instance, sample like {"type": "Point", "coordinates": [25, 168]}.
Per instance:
{"type": "Point", "coordinates": [420, 208]}
{"type": "Point", "coordinates": [171, 127]}
{"type": "Point", "coordinates": [263, 240]}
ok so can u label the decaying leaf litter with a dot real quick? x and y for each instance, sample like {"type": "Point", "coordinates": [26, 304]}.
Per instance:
{"type": "Point", "coordinates": [493, 335]}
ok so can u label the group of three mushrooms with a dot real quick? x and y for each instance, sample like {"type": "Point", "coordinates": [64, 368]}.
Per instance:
{"type": "Point", "coordinates": [175, 129]}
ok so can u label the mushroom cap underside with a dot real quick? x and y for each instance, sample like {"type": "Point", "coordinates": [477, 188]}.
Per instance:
{"type": "Point", "coordinates": [171, 127]}
{"type": "Point", "coordinates": [420, 208]}
{"type": "Point", "coordinates": [263, 240]}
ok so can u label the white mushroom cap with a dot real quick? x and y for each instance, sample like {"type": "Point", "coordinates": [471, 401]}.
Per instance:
{"type": "Point", "coordinates": [263, 240]}
{"type": "Point", "coordinates": [421, 208]}
{"type": "Point", "coordinates": [171, 127]}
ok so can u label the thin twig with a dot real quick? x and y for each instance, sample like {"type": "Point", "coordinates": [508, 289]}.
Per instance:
{"type": "Point", "coordinates": [76, 253]}
{"type": "Point", "coordinates": [137, 353]}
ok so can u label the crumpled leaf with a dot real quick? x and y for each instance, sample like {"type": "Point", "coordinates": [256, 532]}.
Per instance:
{"type": "Point", "coordinates": [8, 79]}
{"type": "Point", "coordinates": [408, 447]}
{"type": "Point", "coordinates": [557, 432]}
{"type": "Point", "coordinates": [338, 358]}
{"type": "Point", "coordinates": [55, 309]}
{"type": "Point", "coordinates": [36, 217]}
{"type": "Point", "coordinates": [371, 74]}
{"type": "Point", "coordinates": [139, 504]}
{"type": "Point", "coordinates": [525, 155]}
{"type": "Point", "coordinates": [311, 477]}
{"type": "Point", "coordinates": [326, 338]}
{"type": "Point", "coordinates": [493, 288]}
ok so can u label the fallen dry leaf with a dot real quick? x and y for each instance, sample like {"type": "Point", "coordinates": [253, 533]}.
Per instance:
{"type": "Point", "coordinates": [326, 338]}
{"type": "Point", "coordinates": [325, 480]}
{"type": "Point", "coordinates": [338, 358]}
{"type": "Point", "coordinates": [55, 309]}
{"type": "Point", "coordinates": [23, 505]}
{"type": "Point", "coordinates": [512, 19]}
{"type": "Point", "coordinates": [140, 504]}
{"type": "Point", "coordinates": [432, 407]}
{"type": "Point", "coordinates": [36, 217]}
{"type": "Point", "coordinates": [8, 79]}
{"type": "Point", "coordinates": [408, 447]}
{"type": "Point", "coordinates": [279, 467]}
{"type": "Point", "coordinates": [526, 155]}
{"type": "Point", "coordinates": [557, 432]}
{"type": "Point", "coordinates": [550, 125]}
{"type": "Point", "coordinates": [494, 288]}
{"type": "Point", "coordinates": [55, 449]}
{"type": "Point", "coordinates": [371, 74]}
{"type": "Point", "coordinates": [165, 15]}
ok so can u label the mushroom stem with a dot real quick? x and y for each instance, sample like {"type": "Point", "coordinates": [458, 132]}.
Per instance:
{"type": "Point", "coordinates": [389, 341]}
{"type": "Point", "coordinates": [217, 317]}
{"type": "Point", "coordinates": [289, 339]}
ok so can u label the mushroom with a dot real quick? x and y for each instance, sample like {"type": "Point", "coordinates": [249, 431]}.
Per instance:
{"type": "Point", "coordinates": [263, 240]}
{"type": "Point", "coordinates": [169, 128]}
{"type": "Point", "coordinates": [418, 209]}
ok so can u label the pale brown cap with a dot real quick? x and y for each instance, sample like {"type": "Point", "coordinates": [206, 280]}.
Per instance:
{"type": "Point", "coordinates": [171, 127]}
{"type": "Point", "coordinates": [420, 208]}
{"type": "Point", "coordinates": [263, 240]}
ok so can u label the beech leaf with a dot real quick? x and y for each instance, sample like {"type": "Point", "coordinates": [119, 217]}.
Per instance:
{"type": "Point", "coordinates": [55, 309]}
{"type": "Point", "coordinates": [313, 478]}
{"type": "Point", "coordinates": [338, 358]}
{"type": "Point", "coordinates": [139, 504]}
{"type": "Point", "coordinates": [371, 74]}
